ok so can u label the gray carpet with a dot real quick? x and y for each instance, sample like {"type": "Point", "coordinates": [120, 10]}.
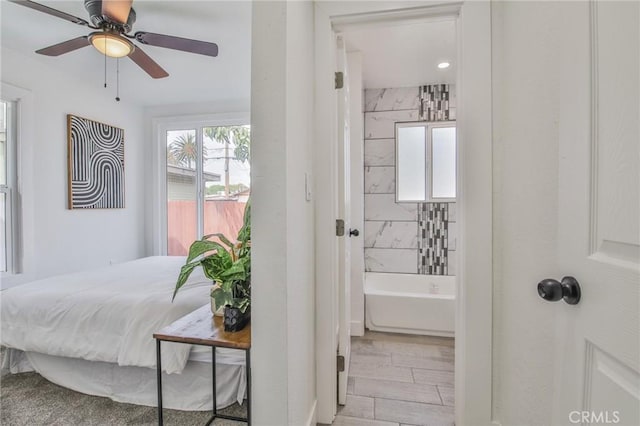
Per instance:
{"type": "Point", "coordinates": [29, 399]}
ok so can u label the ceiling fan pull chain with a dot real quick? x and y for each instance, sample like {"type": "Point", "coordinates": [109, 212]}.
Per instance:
{"type": "Point", "coordinates": [105, 66]}
{"type": "Point", "coordinates": [118, 80]}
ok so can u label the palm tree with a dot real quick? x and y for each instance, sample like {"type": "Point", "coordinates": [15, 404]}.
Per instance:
{"type": "Point", "coordinates": [183, 151]}
{"type": "Point", "coordinates": [171, 158]}
{"type": "Point", "coordinates": [240, 137]}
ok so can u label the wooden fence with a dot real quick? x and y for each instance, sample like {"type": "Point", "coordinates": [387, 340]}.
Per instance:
{"type": "Point", "coordinates": [219, 217]}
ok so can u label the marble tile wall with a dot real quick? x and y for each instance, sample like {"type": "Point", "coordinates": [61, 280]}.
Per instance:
{"type": "Point", "coordinates": [393, 232]}
{"type": "Point", "coordinates": [390, 234]}
{"type": "Point", "coordinates": [381, 124]}
{"type": "Point", "coordinates": [404, 98]}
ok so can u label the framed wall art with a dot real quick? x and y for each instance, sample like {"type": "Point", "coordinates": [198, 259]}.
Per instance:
{"type": "Point", "coordinates": [96, 164]}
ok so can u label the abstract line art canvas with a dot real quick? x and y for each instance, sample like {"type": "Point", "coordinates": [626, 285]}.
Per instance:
{"type": "Point", "coordinates": [96, 164]}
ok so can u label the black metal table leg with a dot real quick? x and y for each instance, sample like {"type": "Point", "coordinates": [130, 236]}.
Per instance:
{"type": "Point", "coordinates": [213, 380]}
{"type": "Point", "coordinates": [248, 366]}
{"type": "Point", "coordinates": [159, 375]}
{"type": "Point", "coordinates": [214, 386]}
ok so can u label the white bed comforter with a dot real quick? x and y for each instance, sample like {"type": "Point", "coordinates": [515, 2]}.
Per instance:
{"type": "Point", "coordinates": [107, 314]}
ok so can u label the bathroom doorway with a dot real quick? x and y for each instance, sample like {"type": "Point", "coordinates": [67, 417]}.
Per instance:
{"type": "Point", "coordinates": [338, 23]}
{"type": "Point", "coordinates": [403, 169]}
{"type": "Point", "coordinates": [402, 162]}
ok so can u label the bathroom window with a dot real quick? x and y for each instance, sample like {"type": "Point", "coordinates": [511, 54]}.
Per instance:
{"type": "Point", "coordinates": [425, 162]}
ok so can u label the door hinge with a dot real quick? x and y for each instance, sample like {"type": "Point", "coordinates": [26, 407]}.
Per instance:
{"type": "Point", "coordinates": [340, 360]}
{"type": "Point", "coordinates": [339, 80]}
{"type": "Point", "coordinates": [339, 227]}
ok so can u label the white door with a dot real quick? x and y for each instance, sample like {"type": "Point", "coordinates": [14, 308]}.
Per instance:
{"type": "Point", "coordinates": [356, 154]}
{"type": "Point", "coordinates": [344, 212]}
{"type": "Point", "coordinates": [597, 355]}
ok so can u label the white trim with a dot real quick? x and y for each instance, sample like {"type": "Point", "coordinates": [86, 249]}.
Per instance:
{"type": "Point", "coordinates": [312, 419]}
{"type": "Point", "coordinates": [9, 189]}
{"type": "Point", "coordinates": [594, 140]}
{"type": "Point", "coordinates": [357, 328]}
{"type": "Point", "coordinates": [474, 306]}
{"type": "Point", "coordinates": [199, 182]}
{"type": "Point", "coordinates": [160, 125]}
{"type": "Point", "coordinates": [420, 14]}
{"type": "Point", "coordinates": [325, 168]}
{"type": "Point", "coordinates": [473, 363]}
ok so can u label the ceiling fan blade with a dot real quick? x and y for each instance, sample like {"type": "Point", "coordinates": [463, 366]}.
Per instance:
{"type": "Point", "coordinates": [65, 46]}
{"type": "Point", "coordinates": [117, 10]}
{"type": "Point", "coordinates": [51, 11]}
{"type": "Point", "coordinates": [146, 63]}
{"type": "Point", "coordinates": [177, 43]}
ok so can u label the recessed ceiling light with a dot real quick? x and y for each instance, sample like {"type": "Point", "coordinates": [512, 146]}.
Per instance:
{"type": "Point", "coordinates": [443, 65]}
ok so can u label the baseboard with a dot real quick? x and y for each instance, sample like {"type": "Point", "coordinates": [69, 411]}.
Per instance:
{"type": "Point", "coordinates": [357, 328]}
{"type": "Point", "coordinates": [496, 423]}
{"type": "Point", "coordinates": [312, 420]}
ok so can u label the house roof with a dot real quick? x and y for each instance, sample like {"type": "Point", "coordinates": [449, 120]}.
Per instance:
{"type": "Point", "coordinates": [184, 172]}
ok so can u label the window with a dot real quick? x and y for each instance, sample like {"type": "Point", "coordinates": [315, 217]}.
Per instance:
{"type": "Point", "coordinates": [7, 184]}
{"type": "Point", "coordinates": [425, 162]}
{"type": "Point", "coordinates": [207, 182]}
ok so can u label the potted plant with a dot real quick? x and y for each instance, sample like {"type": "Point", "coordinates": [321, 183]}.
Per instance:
{"type": "Point", "coordinates": [229, 266]}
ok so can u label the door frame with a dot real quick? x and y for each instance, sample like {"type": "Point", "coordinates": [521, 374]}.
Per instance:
{"type": "Point", "coordinates": [473, 363]}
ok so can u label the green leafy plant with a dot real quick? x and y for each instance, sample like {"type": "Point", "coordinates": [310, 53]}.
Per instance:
{"type": "Point", "coordinates": [227, 264]}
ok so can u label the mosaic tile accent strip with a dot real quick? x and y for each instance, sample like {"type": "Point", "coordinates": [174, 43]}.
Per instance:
{"type": "Point", "coordinates": [433, 226]}
{"type": "Point", "coordinates": [434, 102]}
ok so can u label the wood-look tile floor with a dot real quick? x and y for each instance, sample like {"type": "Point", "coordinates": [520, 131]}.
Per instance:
{"type": "Point", "coordinates": [399, 379]}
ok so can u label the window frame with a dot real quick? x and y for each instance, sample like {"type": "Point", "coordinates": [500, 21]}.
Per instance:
{"type": "Point", "coordinates": [428, 175]}
{"type": "Point", "coordinates": [159, 169]}
{"type": "Point", "coordinates": [9, 189]}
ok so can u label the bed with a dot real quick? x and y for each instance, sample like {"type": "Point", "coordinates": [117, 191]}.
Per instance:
{"type": "Point", "coordinates": [92, 332]}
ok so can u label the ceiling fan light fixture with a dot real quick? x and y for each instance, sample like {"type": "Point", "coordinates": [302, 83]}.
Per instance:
{"type": "Point", "coordinates": [111, 44]}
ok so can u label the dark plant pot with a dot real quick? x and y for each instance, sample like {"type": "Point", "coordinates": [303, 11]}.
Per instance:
{"type": "Point", "coordinates": [234, 319]}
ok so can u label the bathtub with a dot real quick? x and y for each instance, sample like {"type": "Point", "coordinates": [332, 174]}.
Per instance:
{"type": "Point", "coordinates": [410, 303]}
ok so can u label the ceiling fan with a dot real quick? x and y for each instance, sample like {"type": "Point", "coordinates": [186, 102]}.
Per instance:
{"type": "Point", "coordinates": [113, 21]}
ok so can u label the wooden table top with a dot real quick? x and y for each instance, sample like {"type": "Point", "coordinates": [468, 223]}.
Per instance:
{"type": "Point", "coordinates": [201, 327]}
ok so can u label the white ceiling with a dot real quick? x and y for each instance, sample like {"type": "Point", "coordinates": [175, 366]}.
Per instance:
{"type": "Point", "coordinates": [192, 78]}
{"type": "Point", "coordinates": [405, 55]}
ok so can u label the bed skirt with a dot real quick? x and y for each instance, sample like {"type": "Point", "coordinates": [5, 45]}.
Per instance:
{"type": "Point", "coordinates": [189, 390]}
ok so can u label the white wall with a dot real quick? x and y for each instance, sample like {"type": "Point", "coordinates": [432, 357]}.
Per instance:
{"type": "Point", "coordinates": [69, 240]}
{"type": "Point", "coordinates": [525, 119]}
{"type": "Point", "coordinates": [283, 348]}
{"type": "Point", "coordinates": [300, 230]}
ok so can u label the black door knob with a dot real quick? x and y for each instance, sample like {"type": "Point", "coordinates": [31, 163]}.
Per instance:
{"type": "Point", "coordinates": [354, 232]}
{"type": "Point", "coordinates": [553, 290]}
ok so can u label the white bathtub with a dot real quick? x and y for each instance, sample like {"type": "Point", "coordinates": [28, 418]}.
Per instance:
{"type": "Point", "coordinates": [410, 303]}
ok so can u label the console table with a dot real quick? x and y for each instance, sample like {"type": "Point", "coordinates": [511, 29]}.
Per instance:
{"type": "Point", "coordinates": [200, 327]}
